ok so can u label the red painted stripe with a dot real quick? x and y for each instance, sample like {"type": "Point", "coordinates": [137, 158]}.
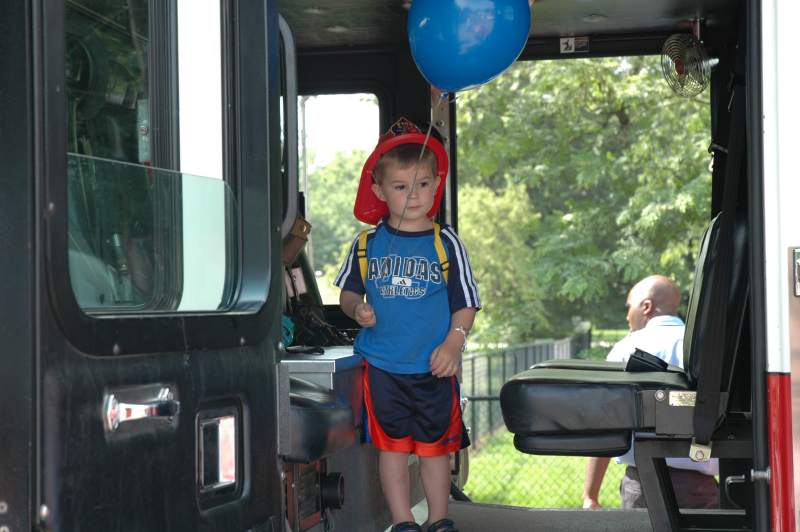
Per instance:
{"type": "Point", "coordinates": [779, 406]}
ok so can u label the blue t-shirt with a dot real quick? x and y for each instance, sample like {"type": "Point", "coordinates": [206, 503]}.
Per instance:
{"type": "Point", "coordinates": [412, 301]}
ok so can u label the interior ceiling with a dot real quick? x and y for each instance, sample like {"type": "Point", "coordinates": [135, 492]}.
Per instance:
{"type": "Point", "coordinates": [324, 23]}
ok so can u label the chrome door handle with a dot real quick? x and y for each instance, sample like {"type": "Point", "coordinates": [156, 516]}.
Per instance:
{"type": "Point", "coordinates": [796, 269]}
{"type": "Point", "coordinates": [163, 407]}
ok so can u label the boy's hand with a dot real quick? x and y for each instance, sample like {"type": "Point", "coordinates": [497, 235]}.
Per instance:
{"type": "Point", "coordinates": [364, 315]}
{"type": "Point", "coordinates": [446, 359]}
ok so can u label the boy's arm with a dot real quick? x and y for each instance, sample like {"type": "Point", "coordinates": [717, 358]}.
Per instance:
{"type": "Point", "coordinates": [354, 306]}
{"type": "Point", "coordinates": [349, 301]}
{"type": "Point", "coordinates": [461, 319]}
{"type": "Point", "coordinates": [351, 298]}
{"type": "Point", "coordinates": [446, 358]}
{"type": "Point", "coordinates": [462, 287]}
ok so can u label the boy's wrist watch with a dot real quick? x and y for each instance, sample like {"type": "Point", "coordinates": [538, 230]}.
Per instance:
{"type": "Point", "coordinates": [463, 331]}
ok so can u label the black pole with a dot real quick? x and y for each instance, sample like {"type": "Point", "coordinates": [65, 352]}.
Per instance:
{"type": "Point", "coordinates": [755, 139]}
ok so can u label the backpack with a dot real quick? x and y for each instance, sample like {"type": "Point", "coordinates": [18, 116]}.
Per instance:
{"type": "Point", "coordinates": [361, 253]}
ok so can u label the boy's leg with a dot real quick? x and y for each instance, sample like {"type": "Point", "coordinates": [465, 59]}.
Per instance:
{"type": "Point", "coordinates": [435, 472]}
{"type": "Point", "coordinates": [395, 482]}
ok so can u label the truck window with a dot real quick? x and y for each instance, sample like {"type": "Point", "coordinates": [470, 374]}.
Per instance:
{"type": "Point", "coordinates": [614, 170]}
{"type": "Point", "coordinates": [336, 134]}
{"type": "Point", "coordinates": [151, 219]}
{"type": "Point", "coordinates": [592, 174]}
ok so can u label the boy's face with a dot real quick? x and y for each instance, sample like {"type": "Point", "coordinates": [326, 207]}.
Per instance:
{"type": "Point", "coordinates": [395, 189]}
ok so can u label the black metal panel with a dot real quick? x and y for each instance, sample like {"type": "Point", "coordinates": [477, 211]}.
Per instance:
{"type": "Point", "coordinates": [345, 22]}
{"type": "Point", "coordinates": [598, 46]}
{"type": "Point", "coordinates": [720, 122]}
{"type": "Point", "coordinates": [758, 326]}
{"type": "Point", "coordinates": [380, 23]}
{"type": "Point", "coordinates": [657, 487]}
{"type": "Point", "coordinates": [453, 133]}
{"type": "Point", "coordinates": [17, 269]}
{"type": "Point", "coordinates": [715, 38]}
{"type": "Point", "coordinates": [389, 73]}
{"type": "Point", "coordinates": [147, 479]}
{"type": "Point", "coordinates": [93, 480]}
{"type": "Point", "coordinates": [605, 17]}
{"type": "Point", "coordinates": [164, 85]}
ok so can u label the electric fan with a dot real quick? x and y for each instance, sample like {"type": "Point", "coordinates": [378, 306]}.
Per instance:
{"type": "Point", "coordinates": [685, 65]}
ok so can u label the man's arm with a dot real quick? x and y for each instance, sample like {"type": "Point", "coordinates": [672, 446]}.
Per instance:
{"type": "Point", "coordinates": [596, 466]}
{"type": "Point", "coordinates": [595, 471]}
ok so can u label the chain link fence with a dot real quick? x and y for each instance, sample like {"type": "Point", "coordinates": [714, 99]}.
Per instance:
{"type": "Point", "coordinates": [500, 474]}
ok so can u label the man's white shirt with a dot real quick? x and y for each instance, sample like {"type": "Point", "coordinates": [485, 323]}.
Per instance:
{"type": "Point", "coordinates": [661, 337]}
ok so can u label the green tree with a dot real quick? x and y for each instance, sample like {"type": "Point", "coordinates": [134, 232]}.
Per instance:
{"type": "Point", "coordinates": [505, 274]}
{"type": "Point", "coordinates": [613, 169]}
{"type": "Point", "coordinates": [330, 208]}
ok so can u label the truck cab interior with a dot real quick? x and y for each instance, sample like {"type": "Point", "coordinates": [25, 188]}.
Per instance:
{"type": "Point", "coordinates": [363, 47]}
{"type": "Point", "coordinates": [174, 356]}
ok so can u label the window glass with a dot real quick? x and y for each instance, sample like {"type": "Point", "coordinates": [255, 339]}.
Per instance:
{"type": "Point", "coordinates": [147, 240]}
{"type": "Point", "coordinates": [151, 220]}
{"type": "Point", "coordinates": [337, 132]}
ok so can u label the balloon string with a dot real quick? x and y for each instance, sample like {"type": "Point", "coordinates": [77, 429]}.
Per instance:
{"type": "Point", "coordinates": [443, 98]}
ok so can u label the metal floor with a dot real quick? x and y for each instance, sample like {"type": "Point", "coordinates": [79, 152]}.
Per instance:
{"type": "Point", "coordinates": [475, 517]}
{"type": "Point", "coordinates": [472, 517]}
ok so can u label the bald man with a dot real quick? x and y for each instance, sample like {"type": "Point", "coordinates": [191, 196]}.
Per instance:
{"type": "Point", "coordinates": [655, 328]}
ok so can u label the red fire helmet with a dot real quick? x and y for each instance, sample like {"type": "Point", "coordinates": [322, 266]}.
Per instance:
{"type": "Point", "coordinates": [368, 207]}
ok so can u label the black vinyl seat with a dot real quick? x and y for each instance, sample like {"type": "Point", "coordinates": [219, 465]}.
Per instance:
{"type": "Point", "coordinates": [582, 412]}
{"type": "Point", "coordinates": [591, 408]}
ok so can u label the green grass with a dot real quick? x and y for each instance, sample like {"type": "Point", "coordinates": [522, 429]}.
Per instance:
{"type": "Point", "coordinates": [602, 342]}
{"type": "Point", "coordinates": [608, 335]}
{"type": "Point", "coordinates": [500, 474]}
{"type": "Point", "coordinates": [593, 353]}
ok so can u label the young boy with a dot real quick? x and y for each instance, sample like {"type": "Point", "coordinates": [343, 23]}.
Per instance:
{"type": "Point", "coordinates": [418, 311]}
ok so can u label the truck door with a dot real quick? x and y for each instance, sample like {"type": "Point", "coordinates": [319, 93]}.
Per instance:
{"type": "Point", "coordinates": [155, 217]}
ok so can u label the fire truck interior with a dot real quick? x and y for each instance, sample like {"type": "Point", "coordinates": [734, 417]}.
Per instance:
{"type": "Point", "coordinates": [156, 218]}
{"type": "Point", "coordinates": [362, 46]}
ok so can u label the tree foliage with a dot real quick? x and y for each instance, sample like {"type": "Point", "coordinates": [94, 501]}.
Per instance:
{"type": "Point", "coordinates": [585, 175]}
{"type": "Point", "coordinates": [577, 178]}
{"type": "Point", "coordinates": [330, 208]}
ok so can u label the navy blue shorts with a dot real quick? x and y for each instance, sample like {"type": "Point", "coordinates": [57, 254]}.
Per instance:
{"type": "Point", "coordinates": [417, 413]}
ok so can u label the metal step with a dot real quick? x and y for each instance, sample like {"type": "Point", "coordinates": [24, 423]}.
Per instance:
{"type": "Point", "coordinates": [472, 517]}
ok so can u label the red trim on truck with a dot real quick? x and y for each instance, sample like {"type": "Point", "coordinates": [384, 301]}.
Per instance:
{"type": "Point", "coordinates": [779, 407]}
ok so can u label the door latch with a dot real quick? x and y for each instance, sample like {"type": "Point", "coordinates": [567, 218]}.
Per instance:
{"type": "Point", "coordinates": [796, 269]}
{"type": "Point", "coordinates": [163, 407]}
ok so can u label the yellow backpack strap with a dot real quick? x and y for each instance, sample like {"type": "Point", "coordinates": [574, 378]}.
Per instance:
{"type": "Point", "coordinates": [437, 243]}
{"type": "Point", "coordinates": [361, 253]}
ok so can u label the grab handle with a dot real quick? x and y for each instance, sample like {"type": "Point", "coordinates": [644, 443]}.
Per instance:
{"type": "Point", "coordinates": [163, 407]}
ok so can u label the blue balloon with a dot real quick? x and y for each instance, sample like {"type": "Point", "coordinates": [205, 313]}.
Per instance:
{"type": "Point", "coordinates": [459, 44]}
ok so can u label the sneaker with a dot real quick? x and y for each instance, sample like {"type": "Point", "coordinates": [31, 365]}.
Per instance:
{"type": "Point", "coordinates": [443, 525]}
{"type": "Point", "coordinates": [407, 526]}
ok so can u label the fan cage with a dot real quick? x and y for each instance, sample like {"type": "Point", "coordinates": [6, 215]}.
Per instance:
{"type": "Point", "coordinates": [685, 65]}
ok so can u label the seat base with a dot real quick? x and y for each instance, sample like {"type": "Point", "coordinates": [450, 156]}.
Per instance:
{"type": "Point", "coordinates": [650, 452]}
{"type": "Point", "coordinates": [608, 445]}
{"type": "Point", "coordinates": [597, 408]}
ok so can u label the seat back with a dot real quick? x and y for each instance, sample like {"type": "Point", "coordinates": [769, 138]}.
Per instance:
{"type": "Point", "coordinates": [700, 309]}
